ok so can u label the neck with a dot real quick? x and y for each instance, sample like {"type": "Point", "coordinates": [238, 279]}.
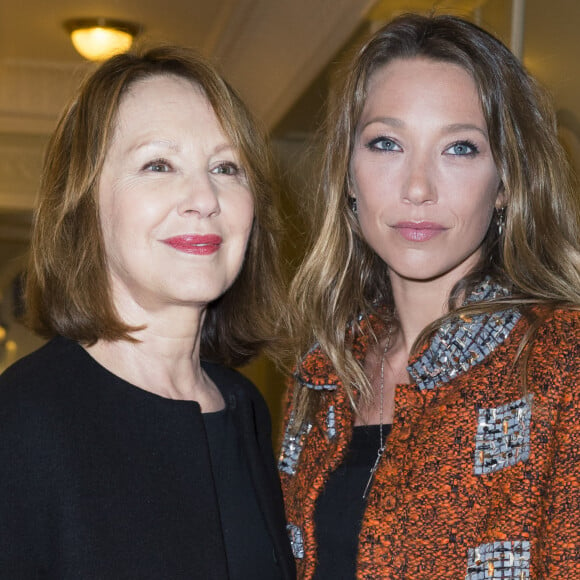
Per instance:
{"type": "Point", "coordinates": [165, 358]}
{"type": "Point", "coordinates": [418, 304]}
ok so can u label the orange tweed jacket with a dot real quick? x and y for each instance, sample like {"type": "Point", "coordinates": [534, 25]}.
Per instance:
{"type": "Point", "coordinates": [478, 480]}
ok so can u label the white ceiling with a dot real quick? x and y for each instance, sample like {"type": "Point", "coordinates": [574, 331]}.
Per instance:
{"type": "Point", "coordinates": [269, 49]}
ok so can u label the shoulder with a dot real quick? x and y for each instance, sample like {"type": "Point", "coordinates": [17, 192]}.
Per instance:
{"type": "Point", "coordinates": [50, 365]}
{"type": "Point", "coordinates": [554, 355]}
{"type": "Point", "coordinates": [37, 402]}
{"type": "Point", "coordinates": [562, 319]}
{"type": "Point", "coordinates": [559, 332]}
{"type": "Point", "coordinates": [568, 320]}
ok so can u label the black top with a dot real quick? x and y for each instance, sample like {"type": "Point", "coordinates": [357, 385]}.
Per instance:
{"type": "Point", "coordinates": [102, 480]}
{"type": "Point", "coordinates": [340, 507]}
{"type": "Point", "coordinates": [248, 545]}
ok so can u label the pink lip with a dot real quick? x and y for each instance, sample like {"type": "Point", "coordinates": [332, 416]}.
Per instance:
{"type": "Point", "coordinates": [195, 244]}
{"type": "Point", "coordinates": [419, 231]}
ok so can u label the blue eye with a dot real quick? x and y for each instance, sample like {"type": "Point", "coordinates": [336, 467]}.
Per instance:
{"type": "Point", "coordinates": [158, 166]}
{"type": "Point", "coordinates": [462, 148]}
{"type": "Point", "coordinates": [226, 168]}
{"type": "Point", "coordinates": [383, 144]}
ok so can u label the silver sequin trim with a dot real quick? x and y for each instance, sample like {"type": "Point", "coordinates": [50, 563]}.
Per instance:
{"type": "Point", "coordinates": [296, 541]}
{"type": "Point", "coordinates": [459, 345]}
{"type": "Point", "coordinates": [331, 423]}
{"type": "Point", "coordinates": [503, 436]}
{"type": "Point", "coordinates": [499, 560]}
{"type": "Point", "coordinates": [324, 386]}
{"type": "Point", "coordinates": [291, 448]}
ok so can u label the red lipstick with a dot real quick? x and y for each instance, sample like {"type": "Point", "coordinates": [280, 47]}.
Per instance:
{"type": "Point", "coordinates": [201, 245]}
{"type": "Point", "coordinates": [418, 231]}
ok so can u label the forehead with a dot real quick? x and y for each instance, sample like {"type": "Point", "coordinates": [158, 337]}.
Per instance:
{"type": "Point", "coordinates": [161, 91]}
{"type": "Point", "coordinates": [165, 106]}
{"type": "Point", "coordinates": [418, 77]}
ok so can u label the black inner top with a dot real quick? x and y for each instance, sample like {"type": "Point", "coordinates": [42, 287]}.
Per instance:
{"type": "Point", "coordinates": [340, 507]}
{"type": "Point", "coordinates": [248, 545]}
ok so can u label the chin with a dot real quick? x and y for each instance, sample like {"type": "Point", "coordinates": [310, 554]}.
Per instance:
{"type": "Point", "coordinates": [419, 273]}
{"type": "Point", "coordinates": [428, 273]}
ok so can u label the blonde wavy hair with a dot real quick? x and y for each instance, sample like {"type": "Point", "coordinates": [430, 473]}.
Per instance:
{"type": "Point", "coordinates": [537, 256]}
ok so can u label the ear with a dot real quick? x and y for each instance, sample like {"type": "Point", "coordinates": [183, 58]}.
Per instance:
{"type": "Point", "coordinates": [501, 199]}
{"type": "Point", "coordinates": [352, 204]}
{"type": "Point", "coordinates": [351, 193]}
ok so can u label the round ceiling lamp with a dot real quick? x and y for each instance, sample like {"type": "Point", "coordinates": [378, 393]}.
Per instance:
{"type": "Point", "coordinates": [100, 38]}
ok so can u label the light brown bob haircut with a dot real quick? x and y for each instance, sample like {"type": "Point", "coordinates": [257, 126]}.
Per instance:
{"type": "Point", "coordinates": [68, 289]}
{"type": "Point", "coordinates": [537, 256]}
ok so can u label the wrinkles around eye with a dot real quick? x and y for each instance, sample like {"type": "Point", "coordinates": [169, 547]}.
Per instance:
{"type": "Point", "coordinates": [158, 166]}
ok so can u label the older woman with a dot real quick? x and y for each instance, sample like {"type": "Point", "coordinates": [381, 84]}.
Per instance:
{"type": "Point", "coordinates": [128, 449]}
{"type": "Point", "coordinates": [434, 429]}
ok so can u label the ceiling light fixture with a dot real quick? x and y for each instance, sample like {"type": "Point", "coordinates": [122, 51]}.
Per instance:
{"type": "Point", "coordinates": [100, 38]}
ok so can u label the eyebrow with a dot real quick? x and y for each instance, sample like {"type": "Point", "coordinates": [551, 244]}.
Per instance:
{"type": "Point", "coordinates": [465, 127]}
{"type": "Point", "coordinates": [155, 143]}
{"type": "Point", "coordinates": [398, 124]}
{"type": "Point", "coordinates": [225, 147]}
{"type": "Point", "coordinates": [384, 121]}
{"type": "Point", "coordinates": [173, 146]}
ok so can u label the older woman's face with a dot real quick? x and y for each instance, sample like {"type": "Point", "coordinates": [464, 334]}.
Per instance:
{"type": "Point", "coordinates": [423, 172]}
{"type": "Point", "coordinates": [175, 207]}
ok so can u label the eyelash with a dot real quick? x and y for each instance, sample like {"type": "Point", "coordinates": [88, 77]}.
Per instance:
{"type": "Point", "coordinates": [372, 144]}
{"type": "Point", "coordinates": [163, 166]}
{"type": "Point", "coordinates": [158, 163]}
{"type": "Point", "coordinates": [465, 143]}
{"type": "Point", "coordinates": [229, 165]}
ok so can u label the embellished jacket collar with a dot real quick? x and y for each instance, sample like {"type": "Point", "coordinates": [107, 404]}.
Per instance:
{"type": "Point", "coordinates": [456, 347]}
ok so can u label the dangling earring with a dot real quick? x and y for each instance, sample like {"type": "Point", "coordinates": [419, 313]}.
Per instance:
{"type": "Point", "coordinates": [500, 219]}
{"type": "Point", "coordinates": [353, 206]}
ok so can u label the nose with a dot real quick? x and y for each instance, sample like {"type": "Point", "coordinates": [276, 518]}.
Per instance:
{"type": "Point", "coordinates": [420, 186]}
{"type": "Point", "coordinates": [199, 196]}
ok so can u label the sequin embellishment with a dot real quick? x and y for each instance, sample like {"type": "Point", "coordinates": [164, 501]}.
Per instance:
{"type": "Point", "coordinates": [331, 423]}
{"type": "Point", "coordinates": [291, 448]}
{"type": "Point", "coordinates": [499, 560]}
{"type": "Point", "coordinates": [296, 541]}
{"type": "Point", "coordinates": [459, 345]}
{"type": "Point", "coordinates": [327, 385]}
{"type": "Point", "coordinates": [503, 436]}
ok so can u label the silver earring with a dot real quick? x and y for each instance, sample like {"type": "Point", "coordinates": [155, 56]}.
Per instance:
{"type": "Point", "coordinates": [500, 219]}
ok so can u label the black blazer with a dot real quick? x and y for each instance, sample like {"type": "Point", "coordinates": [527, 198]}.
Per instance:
{"type": "Point", "coordinates": [102, 480]}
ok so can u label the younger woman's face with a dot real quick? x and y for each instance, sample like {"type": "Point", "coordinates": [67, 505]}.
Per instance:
{"type": "Point", "coordinates": [424, 177]}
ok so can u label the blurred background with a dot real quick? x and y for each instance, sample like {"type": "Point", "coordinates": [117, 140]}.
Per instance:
{"type": "Point", "coordinates": [281, 55]}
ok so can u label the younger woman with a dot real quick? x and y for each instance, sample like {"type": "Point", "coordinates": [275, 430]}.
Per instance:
{"type": "Point", "coordinates": [434, 427]}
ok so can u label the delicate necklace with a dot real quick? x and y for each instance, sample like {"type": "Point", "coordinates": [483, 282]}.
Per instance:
{"type": "Point", "coordinates": [382, 445]}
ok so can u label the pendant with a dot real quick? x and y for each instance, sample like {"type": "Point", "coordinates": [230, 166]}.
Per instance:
{"type": "Point", "coordinates": [380, 452]}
